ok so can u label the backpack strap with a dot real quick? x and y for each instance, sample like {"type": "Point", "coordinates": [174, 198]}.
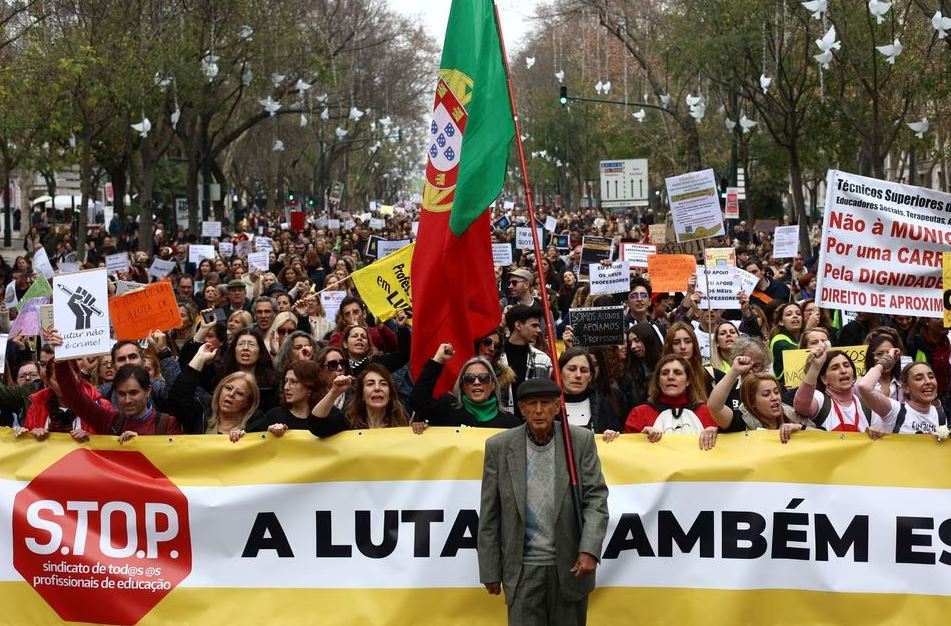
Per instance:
{"type": "Point", "coordinates": [161, 425]}
{"type": "Point", "coordinates": [900, 418]}
{"type": "Point", "coordinates": [824, 410]}
{"type": "Point", "coordinates": [942, 416]}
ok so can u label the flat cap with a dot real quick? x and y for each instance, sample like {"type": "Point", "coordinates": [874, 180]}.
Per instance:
{"type": "Point", "coordinates": [538, 388]}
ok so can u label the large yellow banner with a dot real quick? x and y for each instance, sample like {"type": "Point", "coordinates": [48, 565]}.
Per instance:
{"type": "Point", "coordinates": [385, 284]}
{"type": "Point", "coordinates": [379, 528]}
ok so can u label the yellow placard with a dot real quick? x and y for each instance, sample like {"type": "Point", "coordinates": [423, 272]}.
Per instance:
{"type": "Point", "coordinates": [385, 285]}
{"type": "Point", "coordinates": [794, 363]}
{"type": "Point", "coordinates": [946, 296]}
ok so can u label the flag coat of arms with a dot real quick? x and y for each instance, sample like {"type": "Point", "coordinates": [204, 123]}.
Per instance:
{"type": "Point", "coordinates": [454, 292]}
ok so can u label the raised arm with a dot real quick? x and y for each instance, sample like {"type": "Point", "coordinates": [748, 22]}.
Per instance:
{"type": "Point", "coordinates": [722, 414]}
{"type": "Point", "coordinates": [878, 402]}
{"type": "Point", "coordinates": [804, 402]}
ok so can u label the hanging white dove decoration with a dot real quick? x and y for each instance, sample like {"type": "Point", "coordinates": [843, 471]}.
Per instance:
{"type": "Point", "coordinates": [322, 98]}
{"type": "Point", "coordinates": [878, 9]}
{"type": "Point", "coordinates": [560, 75]}
{"type": "Point", "coordinates": [746, 123]}
{"type": "Point", "coordinates": [890, 51]}
{"type": "Point", "coordinates": [529, 62]}
{"type": "Point", "coordinates": [247, 77]}
{"type": "Point", "coordinates": [303, 120]}
{"type": "Point", "coordinates": [818, 7]}
{"type": "Point", "coordinates": [247, 32]}
{"type": "Point", "coordinates": [325, 114]}
{"type": "Point", "coordinates": [176, 115]}
{"type": "Point", "coordinates": [278, 146]}
{"type": "Point", "coordinates": [72, 141]}
{"type": "Point", "coordinates": [920, 127]}
{"type": "Point", "coordinates": [162, 81]}
{"type": "Point", "coordinates": [665, 99]}
{"type": "Point", "coordinates": [355, 114]}
{"type": "Point", "coordinates": [209, 66]}
{"type": "Point", "coordinates": [730, 124]}
{"type": "Point", "coordinates": [697, 106]}
{"type": "Point", "coordinates": [302, 86]}
{"type": "Point", "coordinates": [270, 106]}
{"type": "Point", "coordinates": [277, 79]}
{"type": "Point", "coordinates": [385, 122]}
{"type": "Point", "coordinates": [639, 115]}
{"type": "Point", "coordinates": [827, 44]}
{"type": "Point", "coordinates": [941, 24]}
{"type": "Point", "coordinates": [143, 127]}
{"type": "Point", "coordinates": [341, 132]}
{"type": "Point", "coordinates": [764, 82]}
{"type": "Point", "coordinates": [598, 87]}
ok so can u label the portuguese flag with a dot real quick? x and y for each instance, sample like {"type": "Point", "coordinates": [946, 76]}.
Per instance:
{"type": "Point", "coordinates": [454, 292]}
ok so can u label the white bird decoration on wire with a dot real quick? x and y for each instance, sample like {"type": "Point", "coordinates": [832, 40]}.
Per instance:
{"type": "Point", "coordinates": [72, 141]}
{"type": "Point", "coordinates": [209, 66]}
{"type": "Point", "coordinates": [385, 122]}
{"type": "Point", "coordinates": [302, 86]}
{"type": "Point", "coordinates": [143, 127]}
{"type": "Point", "coordinates": [693, 101]}
{"type": "Point", "coordinates": [278, 146]}
{"type": "Point", "coordinates": [941, 24]}
{"type": "Point", "coordinates": [639, 115]}
{"type": "Point", "coordinates": [764, 82]}
{"type": "Point", "coordinates": [730, 124]}
{"type": "Point", "coordinates": [341, 132]}
{"type": "Point", "coordinates": [529, 62]}
{"type": "Point", "coordinates": [176, 115]}
{"type": "Point", "coordinates": [560, 75]}
{"type": "Point", "coordinates": [162, 81]}
{"type": "Point", "coordinates": [270, 106]}
{"type": "Point", "coordinates": [322, 98]}
{"type": "Point", "coordinates": [606, 87]}
{"type": "Point", "coordinates": [325, 114]}
{"type": "Point", "coordinates": [697, 106]}
{"type": "Point", "coordinates": [355, 114]}
{"type": "Point", "coordinates": [598, 87]}
{"type": "Point", "coordinates": [891, 51]}
{"type": "Point", "coordinates": [247, 77]}
{"type": "Point", "coordinates": [277, 79]}
{"type": "Point", "coordinates": [746, 123]}
{"type": "Point", "coordinates": [247, 32]}
{"type": "Point", "coordinates": [665, 99]}
{"type": "Point", "coordinates": [920, 127]}
{"type": "Point", "coordinates": [818, 7]}
{"type": "Point", "coordinates": [827, 44]}
{"type": "Point", "coordinates": [878, 9]}
{"type": "Point", "coordinates": [303, 120]}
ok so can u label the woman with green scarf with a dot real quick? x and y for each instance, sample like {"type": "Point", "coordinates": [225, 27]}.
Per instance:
{"type": "Point", "coordinates": [473, 402]}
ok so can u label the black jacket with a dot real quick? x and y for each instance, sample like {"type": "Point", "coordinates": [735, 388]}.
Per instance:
{"type": "Point", "coordinates": [446, 410]}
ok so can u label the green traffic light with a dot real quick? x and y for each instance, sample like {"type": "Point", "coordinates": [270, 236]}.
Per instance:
{"type": "Point", "coordinates": [563, 97]}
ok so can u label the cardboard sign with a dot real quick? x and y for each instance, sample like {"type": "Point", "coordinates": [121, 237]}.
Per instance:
{"type": "Point", "coordinates": [259, 261]}
{"type": "Point", "coordinates": [658, 233]}
{"type": "Point", "coordinates": [116, 263]}
{"type": "Point", "coordinates": [785, 242]}
{"type": "Point", "coordinates": [608, 279]}
{"type": "Point", "coordinates": [723, 286]}
{"type": "Point", "coordinates": [225, 249]}
{"type": "Point", "coordinates": [502, 254]}
{"type": "Point", "coordinates": [670, 272]}
{"type": "Point", "coordinates": [160, 269]}
{"type": "Point", "coordinates": [211, 229]}
{"type": "Point", "coordinates": [636, 253]}
{"type": "Point", "coordinates": [138, 313]}
{"type": "Point", "coordinates": [81, 314]}
{"type": "Point", "coordinates": [331, 300]}
{"type": "Point", "coordinates": [41, 263]}
{"type": "Point", "coordinates": [695, 205]}
{"type": "Point", "coordinates": [523, 238]}
{"type": "Point", "coordinates": [598, 326]}
{"type": "Point", "coordinates": [794, 363]}
{"type": "Point", "coordinates": [197, 252]}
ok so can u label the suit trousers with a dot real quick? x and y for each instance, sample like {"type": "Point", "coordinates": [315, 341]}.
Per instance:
{"type": "Point", "coordinates": [538, 600]}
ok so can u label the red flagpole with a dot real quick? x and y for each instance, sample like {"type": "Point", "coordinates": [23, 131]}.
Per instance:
{"type": "Point", "coordinates": [549, 322]}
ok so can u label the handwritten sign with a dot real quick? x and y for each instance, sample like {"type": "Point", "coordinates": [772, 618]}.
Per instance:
{"type": "Point", "coordinates": [523, 237]}
{"type": "Point", "coordinates": [81, 314]}
{"type": "Point", "coordinates": [197, 252]}
{"type": "Point", "coordinates": [608, 279]}
{"type": "Point", "coordinates": [502, 254]}
{"type": "Point", "coordinates": [137, 313]}
{"type": "Point", "coordinates": [670, 272]}
{"type": "Point", "coordinates": [331, 300]}
{"type": "Point", "coordinates": [259, 261]}
{"type": "Point", "coordinates": [636, 253]}
{"type": "Point", "coordinates": [211, 229]}
{"type": "Point", "coordinates": [720, 292]}
{"type": "Point", "coordinates": [598, 326]}
{"type": "Point", "coordinates": [160, 269]}
{"type": "Point", "coordinates": [658, 233]}
{"type": "Point", "coordinates": [116, 263]}
{"type": "Point", "coordinates": [225, 249]}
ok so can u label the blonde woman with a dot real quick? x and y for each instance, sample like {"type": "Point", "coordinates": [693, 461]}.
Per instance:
{"type": "Point", "coordinates": [283, 325]}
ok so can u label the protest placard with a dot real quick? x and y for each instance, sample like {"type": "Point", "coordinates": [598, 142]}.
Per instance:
{"type": "Point", "coordinates": [349, 224]}
{"type": "Point", "coordinates": [321, 222]}
{"type": "Point", "coordinates": [695, 205]}
{"type": "Point", "coordinates": [670, 272]}
{"type": "Point", "coordinates": [161, 269]}
{"type": "Point", "coordinates": [947, 289]}
{"type": "Point", "coordinates": [377, 223]}
{"type": "Point", "coordinates": [243, 249]}
{"type": "Point", "coordinates": [263, 243]}
{"type": "Point", "coordinates": [118, 262]}
{"type": "Point", "coordinates": [594, 250]}
{"type": "Point", "coordinates": [794, 363]}
{"type": "Point", "coordinates": [523, 238]}
{"type": "Point", "coordinates": [748, 282]}
{"type": "Point", "coordinates": [723, 286]}
{"type": "Point", "coordinates": [508, 205]}
{"type": "Point", "coordinates": [125, 286]}
{"type": "Point", "coordinates": [502, 254]}
{"type": "Point", "coordinates": [45, 313]}
{"type": "Point", "coordinates": [720, 257]}
{"type": "Point", "coordinates": [333, 224]}
{"type": "Point", "coordinates": [225, 249]}
{"type": "Point", "coordinates": [732, 210]}
{"type": "Point", "coordinates": [607, 279]}
{"type": "Point", "coordinates": [211, 229]}
{"type": "Point", "coordinates": [636, 253]}
{"type": "Point", "coordinates": [881, 247]}
{"type": "Point", "coordinates": [27, 322]}
{"type": "Point", "coordinates": [331, 300]}
{"type": "Point", "coordinates": [597, 326]}
{"type": "Point", "coordinates": [502, 223]}
{"type": "Point", "coordinates": [765, 226]}
{"type": "Point", "coordinates": [297, 220]}
{"type": "Point", "coordinates": [41, 263]}
{"type": "Point", "coordinates": [259, 261]}
{"type": "Point", "coordinates": [137, 313]}
{"type": "Point", "coordinates": [3, 352]}
{"type": "Point", "coordinates": [658, 233]}
{"type": "Point", "coordinates": [81, 313]}
{"type": "Point", "coordinates": [387, 247]}
{"type": "Point", "coordinates": [68, 267]}
{"type": "Point", "coordinates": [785, 242]}
{"type": "Point", "coordinates": [562, 242]}
{"type": "Point", "coordinates": [370, 251]}
{"type": "Point", "coordinates": [551, 223]}
{"type": "Point", "coordinates": [385, 285]}
{"type": "Point", "coordinates": [197, 252]}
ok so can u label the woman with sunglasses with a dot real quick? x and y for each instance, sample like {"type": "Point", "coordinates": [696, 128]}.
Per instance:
{"type": "Point", "coordinates": [283, 325]}
{"type": "Point", "coordinates": [474, 400]}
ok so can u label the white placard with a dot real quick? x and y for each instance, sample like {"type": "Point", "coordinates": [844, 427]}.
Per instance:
{"type": "Point", "coordinates": [160, 269]}
{"type": "Point", "coordinates": [785, 242]}
{"type": "Point", "coordinates": [377, 223]}
{"type": "Point", "coordinates": [695, 205]}
{"type": "Point", "coordinates": [197, 252]}
{"type": "Point", "coordinates": [41, 263]}
{"type": "Point", "coordinates": [3, 353]}
{"type": "Point", "coordinates": [636, 253]}
{"type": "Point", "coordinates": [81, 313]}
{"type": "Point", "coordinates": [243, 248]}
{"type": "Point", "coordinates": [607, 279]}
{"type": "Point", "coordinates": [321, 222]}
{"type": "Point", "coordinates": [414, 228]}
{"type": "Point", "coordinates": [502, 254]}
{"type": "Point", "coordinates": [118, 262]}
{"type": "Point", "coordinates": [508, 205]}
{"type": "Point", "coordinates": [724, 285]}
{"type": "Point", "coordinates": [331, 300]}
{"type": "Point", "coordinates": [263, 243]}
{"type": "Point", "coordinates": [523, 238]}
{"type": "Point", "coordinates": [385, 247]}
{"type": "Point", "coordinates": [211, 229]}
{"type": "Point", "coordinates": [260, 261]}
{"type": "Point", "coordinates": [125, 286]}
{"type": "Point", "coordinates": [747, 281]}
{"type": "Point", "coordinates": [225, 249]}
{"type": "Point", "coordinates": [349, 224]}
{"type": "Point", "coordinates": [365, 216]}
{"type": "Point", "coordinates": [69, 267]}
{"type": "Point", "coordinates": [551, 223]}
{"type": "Point", "coordinates": [333, 224]}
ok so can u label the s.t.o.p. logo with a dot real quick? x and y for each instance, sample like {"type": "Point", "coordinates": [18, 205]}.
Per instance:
{"type": "Point", "coordinates": [102, 536]}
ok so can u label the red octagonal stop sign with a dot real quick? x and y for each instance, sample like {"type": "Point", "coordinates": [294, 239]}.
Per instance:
{"type": "Point", "coordinates": [102, 536]}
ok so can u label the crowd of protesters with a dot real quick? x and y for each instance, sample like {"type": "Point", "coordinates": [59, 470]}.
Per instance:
{"type": "Point", "coordinates": [256, 352]}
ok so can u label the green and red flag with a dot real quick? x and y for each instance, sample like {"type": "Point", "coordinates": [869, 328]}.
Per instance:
{"type": "Point", "coordinates": [455, 299]}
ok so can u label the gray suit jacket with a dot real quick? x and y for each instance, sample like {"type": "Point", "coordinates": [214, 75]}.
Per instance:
{"type": "Point", "coordinates": [502, 515]}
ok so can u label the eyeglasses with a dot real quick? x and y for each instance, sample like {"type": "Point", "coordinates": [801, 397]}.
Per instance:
{"type": "Point", "coordinates": [639, 295]}
{"type": "Point", "coordinates": [470, 379]}
{"type": "Point", "coordinates": [334, 365]}
{"type": "Point", "coordinates": [489, 342]}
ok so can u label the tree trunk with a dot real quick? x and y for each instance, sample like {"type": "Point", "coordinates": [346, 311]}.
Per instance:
{"type": "Point", "coordinates": [85, 184]}
{"type": "Point", "coordinates": [117, 174]}
{"type": "Point", "coordinates": [799, 202]}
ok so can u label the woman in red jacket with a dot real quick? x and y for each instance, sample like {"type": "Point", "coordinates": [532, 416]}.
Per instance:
{"type": "Point", "coordinates": [47, 414]}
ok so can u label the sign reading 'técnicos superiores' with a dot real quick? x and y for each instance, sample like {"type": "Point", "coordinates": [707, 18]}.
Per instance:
{"type": "Point", "coordinates": [881, 246]}
{"type": "Point", "coordinates": [102, 536]}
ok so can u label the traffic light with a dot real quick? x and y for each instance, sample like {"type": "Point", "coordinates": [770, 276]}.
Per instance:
{"type": "Point", "coordinates": [290, 197]}
{"type": "Point", "coordinates": [563, 97]}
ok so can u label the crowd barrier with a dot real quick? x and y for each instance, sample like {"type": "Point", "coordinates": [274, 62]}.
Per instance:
{"type": "Point", "coordinates": [379, 528]}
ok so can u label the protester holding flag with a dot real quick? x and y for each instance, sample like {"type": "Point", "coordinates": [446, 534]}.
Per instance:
{"type": "Point", "coordinates": [360, 351]}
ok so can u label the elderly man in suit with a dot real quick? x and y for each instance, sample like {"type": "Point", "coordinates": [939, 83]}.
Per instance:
{"type": "Point", "coordinates": [529, 540]}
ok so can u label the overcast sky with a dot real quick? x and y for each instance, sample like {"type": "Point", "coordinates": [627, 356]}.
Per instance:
{"type": "Point", "coordinates": [434, 14]}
